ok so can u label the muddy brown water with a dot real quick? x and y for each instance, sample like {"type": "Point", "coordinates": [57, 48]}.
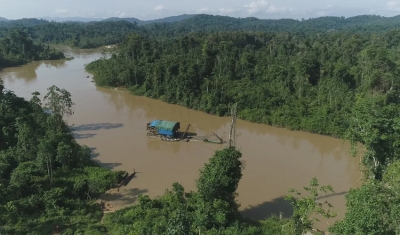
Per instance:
{"type": "Point", "coordinates": [112, 123]}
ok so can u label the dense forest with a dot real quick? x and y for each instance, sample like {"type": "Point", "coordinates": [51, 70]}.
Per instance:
{"type": "Point", "coordinates": [301, 82]}
{"type": "Point", "coordinates": [114, 30]}
{"type": "Point", "coordinates": [341, 82]}
{"type": "Point", "coordinates": [335, 83]}
{"type": "Point", "coordinates": [46, 178]}
{"type": "Point", "coordinates": [49, 184]}
{"type": "Point", "coordinates": [76, 34]}
{"type": "Point", "coordinates": [170, 19]}
{"type": "Point", "coordinates": [17, 48]}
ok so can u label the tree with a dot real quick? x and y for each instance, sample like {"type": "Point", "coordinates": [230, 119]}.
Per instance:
{"type": "Point", "coordinates": [374, 208]}
{"type": "Point", "coordinates": [1, 86]}
{"type": "Point", "coordinates": [46, 155]}
{"type": "Point", "coordinates": [44, 173]}
{"type": "Point", "coordinates": [217, 185]}
{"type": "Point", "coordinates": [304, 207]}
{"type": "Point", "coordinates": [376, 125]}
{"type": "Point", "coordinates": [58, 101]}
{"type": "Point", "coordinates": [220, 177]}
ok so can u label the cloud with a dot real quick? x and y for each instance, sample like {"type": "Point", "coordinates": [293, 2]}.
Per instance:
{"type": "Point", "coordinates": [254, 7]}
{"type": "Point", "coordinates": [225, 10]}
{"type": "Point", "coordinates": [61, 11]}
{"type": "Point", "coordinates": [120, 14]}
{"type": "Point", "coordinates": [220, 11]}
{"type": "Point", "coordinates": [203, 10]}
{"type": "Point", "coordinates": [260, 9]}
{"type": "Point", "coordinates": [262, 6]}
{"type": "Point", "coordinates": [393, 5]}
{"type": "Point", "coordinates": [160, 8]}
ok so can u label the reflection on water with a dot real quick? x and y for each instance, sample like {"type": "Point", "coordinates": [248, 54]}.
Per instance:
{"type": "Point", "coordinates": [112, 122]}
{"type": "Point", "coordinates": [27, 73]}
{"type": "Point", "coordinates": [276, 159]}
{"type": "Point", "coordinates": [158, 145]}
{"type": "Point", "coordinates": [140, 107]}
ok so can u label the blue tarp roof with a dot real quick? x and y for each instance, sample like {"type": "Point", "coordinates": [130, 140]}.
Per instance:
{"type": "Point", "coordinates": [154, 123]}
{"type": "Point", "coordinates": [165, 127]}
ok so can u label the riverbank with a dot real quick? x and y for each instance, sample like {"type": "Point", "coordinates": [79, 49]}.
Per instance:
{"type": "Point", "coordinates": [209, 71]}
{"type": "Point", "coordinates": [112, 123]}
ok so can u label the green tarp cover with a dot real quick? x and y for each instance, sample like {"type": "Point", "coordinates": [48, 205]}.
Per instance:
{"type": "Point", "coordinates": [166, 125]}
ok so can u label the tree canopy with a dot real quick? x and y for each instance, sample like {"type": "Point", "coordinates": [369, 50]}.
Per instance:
{"type": "Point", "coordinates": [46, 178]}
{"type": "Point", "coordinates": [17, 48]}
{"type": "Point", "coordinates": [329, 75]}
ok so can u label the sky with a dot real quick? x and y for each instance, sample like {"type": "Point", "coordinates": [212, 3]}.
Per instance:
{"type": "Point", "coordinates": [154, 9]}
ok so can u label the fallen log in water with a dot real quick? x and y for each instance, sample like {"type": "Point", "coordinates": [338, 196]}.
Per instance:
{"type": "Point", "coordinates": [123, 179]}
{"type": "Point", "coordinates": [127, 178]}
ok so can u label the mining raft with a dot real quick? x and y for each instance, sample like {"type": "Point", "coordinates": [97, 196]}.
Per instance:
{"type": "Point", "coordinates": [169, 131]}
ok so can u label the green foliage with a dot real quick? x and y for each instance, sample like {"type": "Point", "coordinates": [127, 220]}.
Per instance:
{"type": "Point", "coordinates": [58, 101]}
{"type": "Point", "coordinates": [17, 48]}
{"type": "Point", "coordinates": [220, 178]}
{"type": "Point", "coordinates": [374, 208]}
{"type": "Point", "coordinates": [305, 208]}
{"type": "Point", "coordinates": [46, 178]}
{"type": "Point", "coordinates": [375, 124]}
{"type": "Point", "coordinates": [113, 30]}
{"type": "Point", "coordinates": [262, 72]}
{"type": "Point", "coordinates": [75, 34]}
{"type": "Point", "coordinates": [329, 75]}
{"type": "Point", "coordinates": [210, 210]}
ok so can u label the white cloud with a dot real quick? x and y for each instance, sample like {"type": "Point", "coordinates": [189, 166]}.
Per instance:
{"type": "Point", "coordinates": [393, 5]}
{"type": "Point", "coordinates": [160, 8]}
{"type": "Point", "coordinates": [254, 7]}
{"type": "Point", "coordinates": [225, 10]}
{"type": "Point", "coordinates": [120, 14]}
{"type": "Point", "coordinates": [262, 6]}
{"type": "Point", "coordinates": [61, 11]}
{"type": "Point", "coordinates": [203, 10]}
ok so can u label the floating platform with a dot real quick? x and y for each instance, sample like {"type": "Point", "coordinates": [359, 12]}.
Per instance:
{"type": "Point", "coordinates": [169, 131]}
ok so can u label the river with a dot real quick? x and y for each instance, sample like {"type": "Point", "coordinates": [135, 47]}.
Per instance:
{"type": "Point", "coordinates": [112, 123]}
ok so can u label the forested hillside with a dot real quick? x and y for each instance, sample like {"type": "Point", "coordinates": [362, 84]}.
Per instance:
{"type": "Point", "coordinates": [340, 84]}
{"type": "Point", "coordinates": [208, 23]}
{"type": "Point", "coordinates": [76, 34]}
{"type": "Point", "coordinates": [16, 48]}
{"type": "Point", "coordinates": [300, 82]}
{"type": "Point", "coordinates": [170, 19]}
{"type": "Point", "coordinates": [26, 22]}
{"type": "Point", "coordinates": [46, 178]}
{"type": "Point", "coordinates": [113, 30]}
{"type": "Point", "coordinates": [329, 75]}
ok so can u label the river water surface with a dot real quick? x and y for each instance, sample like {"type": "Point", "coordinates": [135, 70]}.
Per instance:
{"type": "Point", "coordinates": [112, 123]}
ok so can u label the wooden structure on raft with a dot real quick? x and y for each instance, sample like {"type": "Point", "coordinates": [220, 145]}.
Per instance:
{"type": "Point", "coordinates": [164, 130]}
{"type": "Point", "coordinates": [169, 131]}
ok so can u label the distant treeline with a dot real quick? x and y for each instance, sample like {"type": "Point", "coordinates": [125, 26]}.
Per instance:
{"type": "Point", "coordinates": [16, 48]}
{"type": "Point", "coordinates": [113, 30]}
